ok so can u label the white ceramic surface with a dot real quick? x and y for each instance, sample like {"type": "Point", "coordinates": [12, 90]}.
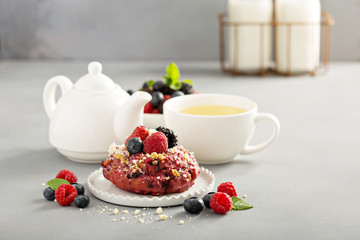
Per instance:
{"type": "Point", "coordinates": [105, 190]}
{"type": "Point", "coordinates": [91, 114]}
{"type": "Point", "coordinates": [152, 121]}
{"type": "Point", "coordinates": [217, 139]}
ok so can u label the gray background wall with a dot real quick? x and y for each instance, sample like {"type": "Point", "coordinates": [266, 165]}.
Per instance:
{"type": "Point", "coordinates": [138, 29]}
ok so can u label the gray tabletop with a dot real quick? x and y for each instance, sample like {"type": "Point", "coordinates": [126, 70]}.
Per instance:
{"type": "Point", "coordinates": [304, 186]}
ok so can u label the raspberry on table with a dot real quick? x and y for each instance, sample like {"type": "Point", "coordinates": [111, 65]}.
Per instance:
{"type": "Point", "coordinates": [67, 175]}
{"type": "Point", "coordinates": [65, 194]}
{"type": "Point", "coordinates": [221, 203]}
{"type": "Point", "coordinates": [227, 187]}
{"type": "Point", "coordinates": [156, 142]}
{"type": "Point", "coordinates": [139, 132]}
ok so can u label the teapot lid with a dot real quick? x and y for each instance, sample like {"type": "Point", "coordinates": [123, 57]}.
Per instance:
{"type": "Point", "coordinates": [94, 80]}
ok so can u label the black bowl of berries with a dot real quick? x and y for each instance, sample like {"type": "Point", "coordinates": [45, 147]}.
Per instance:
{"type": "Point", "coordinates": [161, 91]}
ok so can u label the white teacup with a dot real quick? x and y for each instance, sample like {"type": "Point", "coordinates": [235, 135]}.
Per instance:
{"type": "Point", "coordinates": [217, 139]}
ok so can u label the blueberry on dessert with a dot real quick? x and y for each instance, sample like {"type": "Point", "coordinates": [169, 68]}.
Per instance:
{"type": "Point", "coordinates": [134, 145]}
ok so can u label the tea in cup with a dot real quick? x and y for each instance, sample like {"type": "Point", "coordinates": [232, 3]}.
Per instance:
{"type": "Point", "coordinates": [216, 127]}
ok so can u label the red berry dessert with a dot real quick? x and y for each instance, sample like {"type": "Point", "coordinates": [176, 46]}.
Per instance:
{"type": "Point", "coordinates": [155, 165]}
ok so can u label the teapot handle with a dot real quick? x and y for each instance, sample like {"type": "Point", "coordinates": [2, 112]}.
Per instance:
{"type": "Point", "coordinates": [49, 92]}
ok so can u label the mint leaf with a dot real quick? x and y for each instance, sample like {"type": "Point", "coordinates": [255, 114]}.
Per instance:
{"type": "Point", "coordinates": [168, 80]}
{"type": "Point", "coordinates": [239, 204]}
{"type": "Point", "coordinates": [188, 81]}
{"type": "Point", "coordinates": [150, 83]}
{"type": "Point", "coordinates": [176, 86]}
{"type": "Point", "coordinates": [172, 71]}
{"type": "Point", "coordinates": [56, 182]}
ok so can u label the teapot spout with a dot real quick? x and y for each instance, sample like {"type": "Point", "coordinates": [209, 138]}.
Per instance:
{"type": "Point", "coordinates": [130, 115]}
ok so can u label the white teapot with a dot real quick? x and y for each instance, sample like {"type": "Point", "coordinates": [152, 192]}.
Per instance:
{"type": "Point", "coordinates": [91, 114]}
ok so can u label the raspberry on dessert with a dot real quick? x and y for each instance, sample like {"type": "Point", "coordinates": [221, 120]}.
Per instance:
{"type": "Point", "coordinates": [65, 194]}
{"type": "Point", "coordinates": [148, 108]}
{"type": "Point", "coordinates": [67, 175]}
{"type": "Point", "coordinates": [227, 187]}
{"type": "Point", "coordinates": [221, 203]}
{"type": "Point", "coordinates": [171, 136]}
{"type": "Point", "coordinates": [139, 132]}
{"type": "Point", "coordinates": [156, 142]}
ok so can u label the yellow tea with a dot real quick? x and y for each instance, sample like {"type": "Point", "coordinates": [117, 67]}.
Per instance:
{"type": "Point", "coordinates": [213, 110]}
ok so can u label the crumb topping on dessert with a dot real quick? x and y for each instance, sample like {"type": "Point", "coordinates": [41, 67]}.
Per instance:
{"type": "Point", "coordinates": [177, 165]}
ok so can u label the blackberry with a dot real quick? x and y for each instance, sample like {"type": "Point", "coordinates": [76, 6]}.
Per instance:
{"type": "Point", "coordinates": [158, 85]}
{"type": "Point", "coordinates": [171, 136]}
{"type": "Point", "coordinates": [187, 88]}
{"type": "Point", "coordinates": [166, 90]}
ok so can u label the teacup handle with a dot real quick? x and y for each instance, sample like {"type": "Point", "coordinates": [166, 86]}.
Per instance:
{"type": "Point", "coordinates": [49, 92]}
{"type": "Point", "coordinates": [259, 117]}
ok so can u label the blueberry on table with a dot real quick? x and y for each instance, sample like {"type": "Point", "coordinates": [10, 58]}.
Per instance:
{"type": "Point", "coordinates": [193, 205]}
{"type": "Point", "coordinates": [158, 85]}
{"type": "Point", "coordinates": [49, 194]}
{"type": "Point", "coordinates": [134, 145]}
{"type": "Point", "coordinates": [157, 97]}
{"type": "Point", "coordinates": [207, 199]}
{"type": "Point", "coordinates": [177, 93]}
{"type": "Point", "coordinates": [81, 201]}
{"type": "Point", "coordinates": [79, 188]}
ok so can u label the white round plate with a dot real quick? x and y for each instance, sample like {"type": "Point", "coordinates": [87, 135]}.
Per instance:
{"type": "Point", "coordinates": [105, 190]}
